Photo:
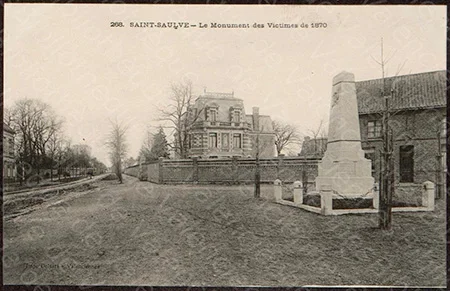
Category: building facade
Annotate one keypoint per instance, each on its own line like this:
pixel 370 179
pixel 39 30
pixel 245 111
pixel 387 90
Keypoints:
pixel 9 163
pixel 418 123
pixel 417 105
pixel 222 129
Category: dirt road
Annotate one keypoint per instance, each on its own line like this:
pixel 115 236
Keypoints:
pixel 138 233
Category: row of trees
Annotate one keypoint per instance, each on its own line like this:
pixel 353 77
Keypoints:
pixel 40 144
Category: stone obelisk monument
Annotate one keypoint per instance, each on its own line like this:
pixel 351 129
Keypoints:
pixel 343 167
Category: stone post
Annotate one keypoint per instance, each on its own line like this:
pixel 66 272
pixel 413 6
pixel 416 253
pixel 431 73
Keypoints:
pixel 326 200
pixel 428 195
pixel 376 196
pixel 195 170
pixel 298 193
pixel 277 189
pixel 279 165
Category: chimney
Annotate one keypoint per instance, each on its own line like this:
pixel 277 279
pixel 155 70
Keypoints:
pixel 255 118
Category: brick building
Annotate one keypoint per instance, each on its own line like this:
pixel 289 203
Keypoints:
pixel 222 128
pixel 9 163
pixel 418 121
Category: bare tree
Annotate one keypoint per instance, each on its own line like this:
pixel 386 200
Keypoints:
pixel 387 178
pixel 54 150
pixel 116 143
pixel 318 135
pixel 146 147
pixel 285 135
pixel 8 116
pixel 179 114
pixel 35 124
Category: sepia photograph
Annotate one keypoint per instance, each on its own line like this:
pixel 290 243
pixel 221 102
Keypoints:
pixel 224 145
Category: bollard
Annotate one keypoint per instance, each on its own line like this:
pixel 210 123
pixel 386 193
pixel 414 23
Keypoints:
pixel 376 196
pixel 277 189
pixel 428 195
pixel 298 193
pixel 326 200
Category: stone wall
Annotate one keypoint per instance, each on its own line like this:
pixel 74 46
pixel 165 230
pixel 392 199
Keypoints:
pixel 152 172
pixel 236 170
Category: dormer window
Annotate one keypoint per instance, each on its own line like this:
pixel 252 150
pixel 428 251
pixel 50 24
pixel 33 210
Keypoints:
pixel 235 114
pixel 212 113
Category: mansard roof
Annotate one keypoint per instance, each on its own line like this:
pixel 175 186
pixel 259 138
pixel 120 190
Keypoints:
pixel 265 123
pixel 217 95
pixel 416 91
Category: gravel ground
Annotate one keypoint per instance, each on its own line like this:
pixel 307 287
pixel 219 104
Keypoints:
pixel 138 233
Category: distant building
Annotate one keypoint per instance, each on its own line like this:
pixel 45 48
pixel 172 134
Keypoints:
pixel 313 147
pixel 222 128
pixel 9 163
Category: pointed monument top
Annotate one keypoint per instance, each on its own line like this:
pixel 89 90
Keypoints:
pixel 343 77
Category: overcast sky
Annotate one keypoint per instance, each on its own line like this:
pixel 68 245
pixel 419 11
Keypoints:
pixel 69 57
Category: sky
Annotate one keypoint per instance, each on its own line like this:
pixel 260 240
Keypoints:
pixel 70 57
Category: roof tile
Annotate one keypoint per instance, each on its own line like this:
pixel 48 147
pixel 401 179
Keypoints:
pixel 424 90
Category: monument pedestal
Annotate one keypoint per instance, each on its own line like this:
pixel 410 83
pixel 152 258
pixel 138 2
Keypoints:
pixel 343 167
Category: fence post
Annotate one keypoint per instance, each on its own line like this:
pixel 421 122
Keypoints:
pixel 305 178
pixel 428 195
pixel 234 169
pixel 195 169
pixel 376 196
pixel 298 193
pixel 277 189
pixel 279 165
pixel 326 200
pixel 160 170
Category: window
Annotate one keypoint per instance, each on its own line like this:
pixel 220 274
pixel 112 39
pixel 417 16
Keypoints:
pixel 11 147
pixel 237 140
pixel 213 140
pixel 236 116
pixel 374 129
pixel 407 164
pixel 212 114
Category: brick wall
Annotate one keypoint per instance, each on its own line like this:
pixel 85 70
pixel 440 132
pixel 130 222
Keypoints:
pixel 418 128
pixel 234 170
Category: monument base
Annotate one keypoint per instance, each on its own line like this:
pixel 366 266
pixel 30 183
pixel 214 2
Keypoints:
pixel 347 178
pixel 347 187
